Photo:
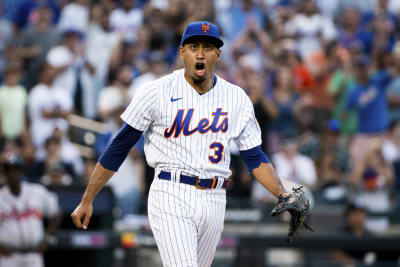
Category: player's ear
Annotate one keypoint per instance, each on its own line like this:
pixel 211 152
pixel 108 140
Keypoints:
pixel 218 51
pixel 181 50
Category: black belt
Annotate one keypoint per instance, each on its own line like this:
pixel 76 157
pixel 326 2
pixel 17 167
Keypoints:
pixel 199 183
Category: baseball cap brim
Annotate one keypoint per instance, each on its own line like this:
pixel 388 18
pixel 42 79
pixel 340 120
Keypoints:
pixel 207 38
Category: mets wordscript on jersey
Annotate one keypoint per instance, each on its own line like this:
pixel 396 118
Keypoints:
pixel 182 123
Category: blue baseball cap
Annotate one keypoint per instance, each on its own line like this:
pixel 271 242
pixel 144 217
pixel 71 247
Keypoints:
pixel 202 29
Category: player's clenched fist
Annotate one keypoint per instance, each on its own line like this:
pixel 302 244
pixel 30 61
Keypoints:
pixel 81 215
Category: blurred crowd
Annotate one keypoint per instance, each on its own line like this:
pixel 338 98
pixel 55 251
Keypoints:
pixel 324 78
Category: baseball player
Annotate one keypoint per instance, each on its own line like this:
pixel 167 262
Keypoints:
pixel 23 205
pixel 189 118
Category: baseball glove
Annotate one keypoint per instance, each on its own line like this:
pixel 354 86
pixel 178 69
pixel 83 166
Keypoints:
pixel 297 204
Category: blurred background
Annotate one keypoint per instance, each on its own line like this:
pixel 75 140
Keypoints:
pixel 324 78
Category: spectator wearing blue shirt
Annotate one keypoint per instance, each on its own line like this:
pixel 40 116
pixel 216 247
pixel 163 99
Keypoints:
pixel 351 34
pixel 368 98
pixel 241 13
pixel 393 91
pixel 382 24
pixel 23 12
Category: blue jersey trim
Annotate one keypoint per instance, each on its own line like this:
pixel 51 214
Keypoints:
pixel 117 151
pixel 254 157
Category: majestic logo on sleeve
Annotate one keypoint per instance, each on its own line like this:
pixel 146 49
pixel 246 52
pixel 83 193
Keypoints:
pixel 182 123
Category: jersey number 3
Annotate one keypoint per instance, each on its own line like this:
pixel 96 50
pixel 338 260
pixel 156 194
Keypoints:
pixel 218 152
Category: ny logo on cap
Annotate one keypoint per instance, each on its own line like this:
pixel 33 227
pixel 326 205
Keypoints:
pixel 205 27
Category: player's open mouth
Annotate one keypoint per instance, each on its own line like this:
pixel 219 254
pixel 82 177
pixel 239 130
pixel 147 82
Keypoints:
pixel 200 68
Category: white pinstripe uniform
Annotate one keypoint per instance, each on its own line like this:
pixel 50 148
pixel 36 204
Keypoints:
pixel 189 134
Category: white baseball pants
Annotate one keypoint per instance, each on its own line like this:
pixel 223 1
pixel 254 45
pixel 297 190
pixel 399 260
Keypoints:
pixel 186 222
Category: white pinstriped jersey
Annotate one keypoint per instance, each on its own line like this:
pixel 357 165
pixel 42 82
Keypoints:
pixel 191 132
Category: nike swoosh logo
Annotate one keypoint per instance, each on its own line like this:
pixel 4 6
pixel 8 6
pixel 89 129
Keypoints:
pixel 175 99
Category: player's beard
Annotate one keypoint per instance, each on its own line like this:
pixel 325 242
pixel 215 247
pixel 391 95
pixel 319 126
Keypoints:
pixel 199 80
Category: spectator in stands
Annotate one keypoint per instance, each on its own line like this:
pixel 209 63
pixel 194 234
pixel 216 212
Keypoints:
pixel 363 5
pixel 69 152
pixel 27 12
pixel 368 98
pixel 241 14
pixel 393 91
pixel 180 13
pixel 53 160
pixel 69 61
pixel 391 150
pixel 48 107
pixel 253 40
pixel 290 166
pixel 293 166
pixel 333 163
pixel 383 24
pixel 35 42
pixel 157 68
pixel 7 32
pixel 249 76
pixel 391 143
pixel 285 101
pixel 56 175
pixel 373 186
pixel 338 88
pixel 128 54
pixel 311 29
pixel 103 47
pixel 351 33
pixel 355 217
pixel 75 16
pixel 116 97
pixel 127 19
pixel 13 103
pixel 161 38
pixel 247 65
pixel 301 74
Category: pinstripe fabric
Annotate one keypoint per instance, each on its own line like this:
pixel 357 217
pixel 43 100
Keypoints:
pixel 187 223
pixel 190 134
pixel 151 110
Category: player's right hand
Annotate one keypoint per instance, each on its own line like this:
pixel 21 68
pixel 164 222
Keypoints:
pixel 81 215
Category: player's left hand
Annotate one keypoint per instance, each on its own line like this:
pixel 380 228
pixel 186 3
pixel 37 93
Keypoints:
pixel 297 204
